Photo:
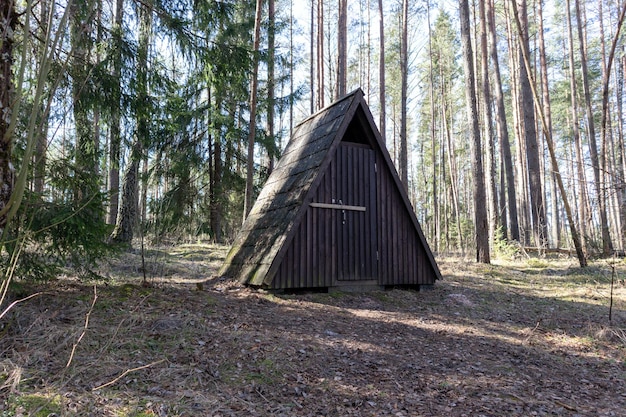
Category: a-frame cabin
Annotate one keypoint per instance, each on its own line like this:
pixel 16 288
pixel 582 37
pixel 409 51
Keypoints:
pixel 333 213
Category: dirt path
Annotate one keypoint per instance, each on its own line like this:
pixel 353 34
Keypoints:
pixel 488 340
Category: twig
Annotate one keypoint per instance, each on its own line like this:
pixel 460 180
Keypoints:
pixel 258 391
pixel 126 372
pixel 566 406
pixel 532 331
pixel 93 303
pixel 14 303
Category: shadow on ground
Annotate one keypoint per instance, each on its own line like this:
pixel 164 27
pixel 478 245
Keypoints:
pixel 485 341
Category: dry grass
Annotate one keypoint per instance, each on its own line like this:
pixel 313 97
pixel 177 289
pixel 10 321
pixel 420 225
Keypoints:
pixel 523 338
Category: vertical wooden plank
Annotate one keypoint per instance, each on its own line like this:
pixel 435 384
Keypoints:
pixel 393 260
pixel 292 277
pixel 373 217
pixel 328 230
pixel 413 258
pixel 344 225
pixel 301 274
pixel 403 244
pixel 362 242
pixel 392 236
pixel 306 243
pixel 383 241
pixel 364 239
pixel 333 221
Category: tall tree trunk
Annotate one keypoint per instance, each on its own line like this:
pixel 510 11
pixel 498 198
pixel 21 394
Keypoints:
pixel 311 52
pixel 538 211
pixel 433 135
pixel 128 208
pixel 42 140
pixel 521 171
pixel 555 167
pixel 546 105
pixel 453 174
pixel 127 213
pixel 114 132
pixel 404 74
pixel 271 53
pixel 8 24
pixel 381 72
pixel 253 104
pixel 621 149
pixel 86 159
pixel 369 52
pixel 96 63
pixel 501 125
pixel 215 190
pixel 494 222
pixel 291 67
pixel 605 85
pixel 480 209
pixel 582 193
pixel 342 49
pixel 607 245
pixel 320 55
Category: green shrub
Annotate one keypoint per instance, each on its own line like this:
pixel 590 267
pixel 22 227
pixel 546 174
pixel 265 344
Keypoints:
pixel 504 248
pixel 57 235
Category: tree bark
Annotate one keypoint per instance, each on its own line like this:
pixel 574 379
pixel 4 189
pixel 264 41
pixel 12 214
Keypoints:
pixel 582 181
pixel 342 49
pixel 253 102
pixel 538 213
pixel 494 222
pixel 42 140
pixel 320 55
pixel 291 69
pixel 582 260
pixel 605 88
pixel 381 73
pixel 271 53
pixel 546 105
pixel 86 158
pixel 480 209
pixel 607 245
pixel 312 54
pixel 128 208
pixel 404 61
pixel 127 213
pixel 501 125
pixel 114 133
pixel 216 191
pixel 433 135
pixel 8 24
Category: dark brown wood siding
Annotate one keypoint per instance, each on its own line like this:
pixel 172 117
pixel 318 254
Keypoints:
pixel 336 242
pixel 402 257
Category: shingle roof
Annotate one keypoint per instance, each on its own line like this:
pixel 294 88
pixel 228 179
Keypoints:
pixel 275 210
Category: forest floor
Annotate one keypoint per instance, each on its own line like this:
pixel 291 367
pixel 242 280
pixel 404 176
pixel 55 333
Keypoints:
pixel 529 337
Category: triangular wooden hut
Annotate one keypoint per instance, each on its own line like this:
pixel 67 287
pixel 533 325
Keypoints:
pixel 333 213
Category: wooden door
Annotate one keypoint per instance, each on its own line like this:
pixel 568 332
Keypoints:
pixel 345 209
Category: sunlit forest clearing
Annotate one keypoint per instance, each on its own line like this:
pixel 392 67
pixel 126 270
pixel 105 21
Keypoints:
pixel 372 134
pixel 525 336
